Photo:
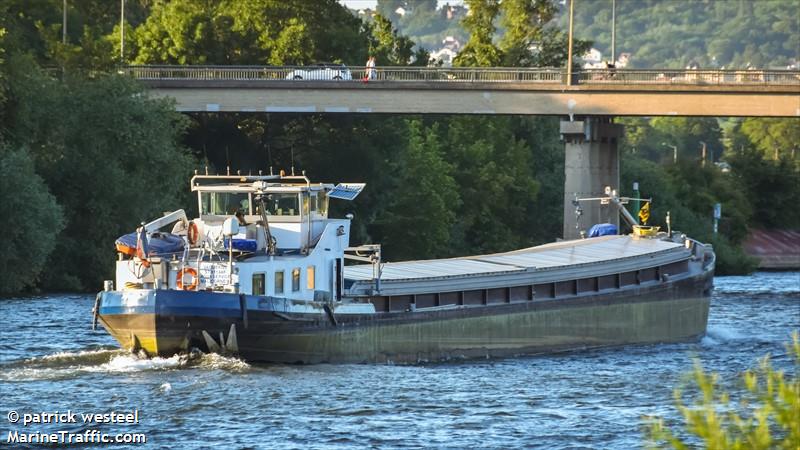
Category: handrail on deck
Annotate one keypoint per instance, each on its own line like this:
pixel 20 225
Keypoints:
pixel 443 75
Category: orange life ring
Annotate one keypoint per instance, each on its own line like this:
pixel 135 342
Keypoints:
pixel 179 279
pixel 193 233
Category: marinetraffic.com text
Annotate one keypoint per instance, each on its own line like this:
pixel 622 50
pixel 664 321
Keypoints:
pixel 27 435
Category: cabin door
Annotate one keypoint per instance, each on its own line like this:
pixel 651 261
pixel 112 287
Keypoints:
pixel 339 280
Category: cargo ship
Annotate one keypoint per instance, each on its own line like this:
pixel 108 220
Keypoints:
pixel 262 274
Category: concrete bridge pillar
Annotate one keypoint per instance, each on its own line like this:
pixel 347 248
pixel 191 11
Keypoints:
pixel 591 162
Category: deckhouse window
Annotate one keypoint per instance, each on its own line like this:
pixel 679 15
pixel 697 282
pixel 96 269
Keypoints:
pixel 295 279
pixel 310 279
pixel 317 204
pixel 259 284
pixel 279 282
pixel 282 205
pixel 224 203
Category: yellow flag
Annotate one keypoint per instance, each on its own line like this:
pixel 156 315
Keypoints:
pixel 644 213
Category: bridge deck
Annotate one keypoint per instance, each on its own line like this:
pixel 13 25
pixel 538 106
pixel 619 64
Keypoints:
pixel 763 93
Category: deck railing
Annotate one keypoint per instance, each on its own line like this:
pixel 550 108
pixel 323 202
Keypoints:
pixel 468 75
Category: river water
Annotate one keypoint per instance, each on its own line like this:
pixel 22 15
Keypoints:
pixel 50 361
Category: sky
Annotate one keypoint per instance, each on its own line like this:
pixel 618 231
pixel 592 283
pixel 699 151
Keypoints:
pixel 361 4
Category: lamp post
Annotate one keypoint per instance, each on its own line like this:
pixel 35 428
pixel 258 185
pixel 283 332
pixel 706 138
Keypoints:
pixel 614 32
pixel 64 23
pixel 569 46
pixel 121 31
pixel 674 152
pixel 703 154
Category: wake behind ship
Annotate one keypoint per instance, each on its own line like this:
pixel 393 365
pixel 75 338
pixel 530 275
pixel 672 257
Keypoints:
pixel 261 274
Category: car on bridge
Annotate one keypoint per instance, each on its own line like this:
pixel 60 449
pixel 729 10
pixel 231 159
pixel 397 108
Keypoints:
pixel 321 71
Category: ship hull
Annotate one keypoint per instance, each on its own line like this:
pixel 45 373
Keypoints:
pixel 166 322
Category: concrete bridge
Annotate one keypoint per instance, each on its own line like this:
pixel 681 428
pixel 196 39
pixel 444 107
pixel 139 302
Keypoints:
pixel 529 91
pixel 588 102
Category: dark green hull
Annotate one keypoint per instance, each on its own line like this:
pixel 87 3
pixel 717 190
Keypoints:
pixel 654 312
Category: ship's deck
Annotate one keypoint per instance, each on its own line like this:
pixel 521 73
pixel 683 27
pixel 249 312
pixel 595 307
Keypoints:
pixel 548 256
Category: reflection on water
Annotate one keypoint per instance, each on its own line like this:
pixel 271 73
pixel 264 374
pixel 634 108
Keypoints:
pixel 51 360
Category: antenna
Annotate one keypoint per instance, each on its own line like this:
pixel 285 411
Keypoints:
pixel 292 159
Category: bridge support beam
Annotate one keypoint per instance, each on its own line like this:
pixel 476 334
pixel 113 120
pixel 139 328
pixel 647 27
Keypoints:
pixel 591 162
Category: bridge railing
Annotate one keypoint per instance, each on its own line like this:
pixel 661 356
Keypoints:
pixel 689 76
pixel 468 75
pixel 296 73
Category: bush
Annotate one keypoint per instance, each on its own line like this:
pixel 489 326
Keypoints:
pixel 766 415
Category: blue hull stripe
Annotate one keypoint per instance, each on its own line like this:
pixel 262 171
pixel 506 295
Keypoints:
pixel 170 303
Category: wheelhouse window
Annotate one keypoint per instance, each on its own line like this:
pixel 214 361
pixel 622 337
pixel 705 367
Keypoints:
pixel 295 279
pixel 279 282
pixel 224 203
pixel 259 284
pixel 310 279
pixel 281 205
pixel 316 204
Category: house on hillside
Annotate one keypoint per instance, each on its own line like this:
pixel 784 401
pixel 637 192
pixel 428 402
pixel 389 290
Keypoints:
pixel 451 43
pixel 448 51
pixel 445 55
pixel 593 59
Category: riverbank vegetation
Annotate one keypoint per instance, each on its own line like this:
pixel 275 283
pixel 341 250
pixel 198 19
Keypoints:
pixel 760 411
pixel 90 155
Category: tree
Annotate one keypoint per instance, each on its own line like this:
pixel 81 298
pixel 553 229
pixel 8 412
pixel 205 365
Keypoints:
pixel 387 45
pixel 776 138
pixel 417 222
pixel 772 186
pixel 524 22
pixel 111 162
pixel 250 32
pixel 480 51
pixel 31 223
pixel 494 172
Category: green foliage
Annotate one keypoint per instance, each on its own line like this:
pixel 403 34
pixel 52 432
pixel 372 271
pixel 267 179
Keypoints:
pixel 762 413
pixel 713 33
pixel 186 32
pixel 389 47
pixel 494 171
pixel 418 220
pixel 480 51
pixel 529 38
pixel 756 192
pixel 103 148
pixel 773 187
pixel 731 259
pixel 250 32
pixel 776 138
pixel 92 42
pixel 523 21
pixel 31 223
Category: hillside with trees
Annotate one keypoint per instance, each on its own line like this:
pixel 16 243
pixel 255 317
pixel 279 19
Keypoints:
pixel 733 34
